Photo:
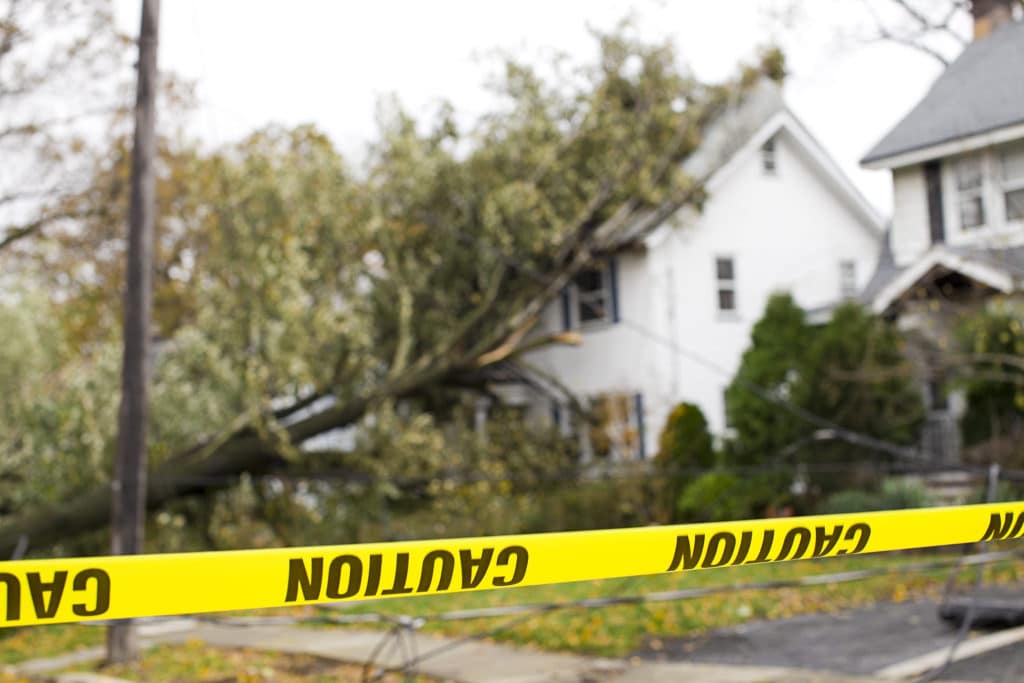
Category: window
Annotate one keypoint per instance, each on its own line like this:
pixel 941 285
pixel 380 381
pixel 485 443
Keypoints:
pixel 768 157
pixel 847 279
pixel 617 429
pixel 725 274
pixel 1013 181
pixel 592 298
pixel 970 186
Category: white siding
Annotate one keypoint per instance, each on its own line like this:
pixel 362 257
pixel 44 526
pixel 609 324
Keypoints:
pixel 787 231
pixel 911 234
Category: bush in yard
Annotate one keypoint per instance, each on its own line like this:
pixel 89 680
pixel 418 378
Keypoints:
pixel 850 371
pixel 685 441
pixel 683 446
pixel 895 493
pixel 854 500
pixel 714 497
pixel 898 493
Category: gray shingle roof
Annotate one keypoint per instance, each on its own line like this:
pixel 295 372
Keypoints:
pixel 1008 260
pixel 983 90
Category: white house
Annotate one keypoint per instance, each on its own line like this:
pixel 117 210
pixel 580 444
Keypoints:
pixel 666 317
pixel 957 163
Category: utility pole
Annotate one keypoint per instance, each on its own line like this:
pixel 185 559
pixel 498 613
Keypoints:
pixel 128 487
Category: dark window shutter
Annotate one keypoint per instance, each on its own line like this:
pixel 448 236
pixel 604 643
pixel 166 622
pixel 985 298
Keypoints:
pixel 638 399
pixel 613 283
pixel 566 310
pixel 933 184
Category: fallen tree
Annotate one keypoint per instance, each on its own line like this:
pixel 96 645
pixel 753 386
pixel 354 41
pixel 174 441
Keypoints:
pixel 290 278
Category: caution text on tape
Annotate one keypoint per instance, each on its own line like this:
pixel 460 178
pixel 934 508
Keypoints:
pixel 91 588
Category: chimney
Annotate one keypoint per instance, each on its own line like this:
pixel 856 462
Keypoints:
pixel 990 14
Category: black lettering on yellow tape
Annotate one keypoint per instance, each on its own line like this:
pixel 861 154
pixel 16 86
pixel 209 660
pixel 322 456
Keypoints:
pixel 82 589
pixel 345 576
pixel 999 526
pixel 731 548
pixel 92 586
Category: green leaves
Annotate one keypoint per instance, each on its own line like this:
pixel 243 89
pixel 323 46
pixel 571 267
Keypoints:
pixel 282 274
pixel 852 371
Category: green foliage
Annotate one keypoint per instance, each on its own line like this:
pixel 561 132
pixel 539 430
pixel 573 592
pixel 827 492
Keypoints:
pixel 854 500
pixel 684 445
pixel 282 274
pixel 900 494
pixel 715 497
pixel 993 340
pixel 772 363
pixel 895 493
pixel 685 441
pixel 851 372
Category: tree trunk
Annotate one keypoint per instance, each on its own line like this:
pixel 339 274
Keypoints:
pixel 128 487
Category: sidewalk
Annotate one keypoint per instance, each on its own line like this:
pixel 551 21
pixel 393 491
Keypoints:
pixel 473 662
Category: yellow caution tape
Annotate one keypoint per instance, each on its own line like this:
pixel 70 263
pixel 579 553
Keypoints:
pixel 91 588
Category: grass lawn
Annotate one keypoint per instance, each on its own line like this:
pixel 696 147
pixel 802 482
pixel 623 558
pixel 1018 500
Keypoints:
pixel 30 642
pixel 618 630
pixel 194 661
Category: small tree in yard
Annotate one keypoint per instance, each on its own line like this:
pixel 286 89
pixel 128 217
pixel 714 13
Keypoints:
pixel 850 372
pixel 772 363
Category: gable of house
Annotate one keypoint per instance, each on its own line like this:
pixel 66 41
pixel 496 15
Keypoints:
pixel 666 316
pixel 957 161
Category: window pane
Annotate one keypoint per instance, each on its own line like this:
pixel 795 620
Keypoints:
pixel 726 300
pixel 768 156
pixel 590 280
pixel 723 269
pixel 972 212
pixel 592 308
pixel 1015 205
pixel 968 173
pixel 1013 162
pixel 847 278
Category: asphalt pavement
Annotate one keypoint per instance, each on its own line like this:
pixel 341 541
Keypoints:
pixel 859 642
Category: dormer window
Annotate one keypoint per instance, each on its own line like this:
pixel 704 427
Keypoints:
pixel 970 187
pixel 768 161
pixel 1013 182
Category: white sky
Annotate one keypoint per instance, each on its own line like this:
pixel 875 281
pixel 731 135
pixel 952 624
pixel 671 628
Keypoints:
pixel 329 61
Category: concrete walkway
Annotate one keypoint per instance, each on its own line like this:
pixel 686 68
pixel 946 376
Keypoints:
pixel 473 662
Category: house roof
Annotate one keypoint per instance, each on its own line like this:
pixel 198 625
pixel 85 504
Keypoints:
pixel 722 138
pixel 979 93
pixel 743 127
pixel 1002 269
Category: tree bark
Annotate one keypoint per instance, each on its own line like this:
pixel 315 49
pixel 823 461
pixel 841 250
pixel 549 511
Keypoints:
pixel 128 486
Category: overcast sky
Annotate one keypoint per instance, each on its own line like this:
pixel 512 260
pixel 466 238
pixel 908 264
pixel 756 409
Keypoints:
pixel 328 61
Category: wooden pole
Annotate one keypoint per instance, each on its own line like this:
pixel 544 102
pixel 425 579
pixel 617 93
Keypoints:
pixel 128 487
